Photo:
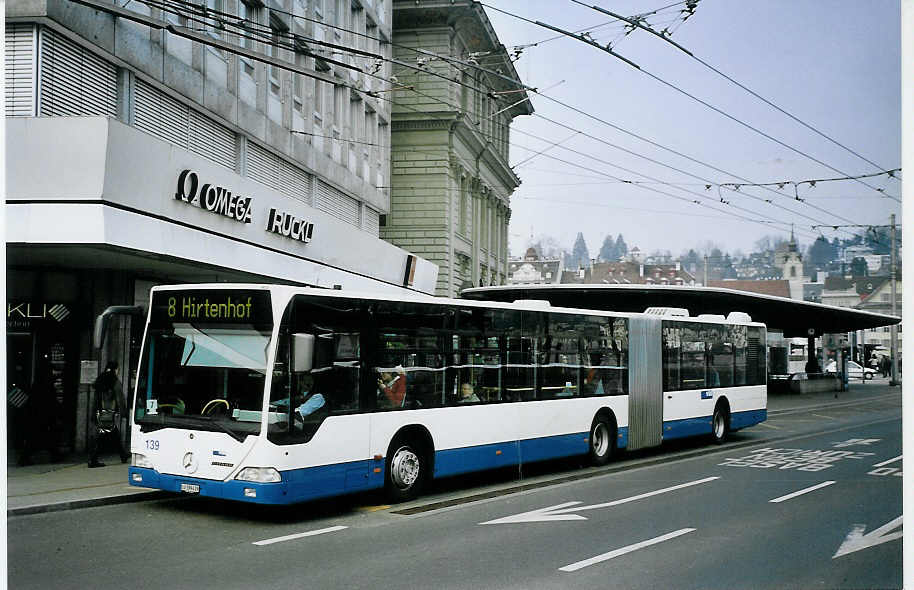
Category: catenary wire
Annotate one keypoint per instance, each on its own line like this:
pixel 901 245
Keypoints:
pixel 691 96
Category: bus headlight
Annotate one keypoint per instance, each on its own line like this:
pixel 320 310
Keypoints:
pixel 259 475
pixel 141 461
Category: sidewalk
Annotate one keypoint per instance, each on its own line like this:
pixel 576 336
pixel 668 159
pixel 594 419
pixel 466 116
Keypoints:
pixel 50 487
pixel 47 487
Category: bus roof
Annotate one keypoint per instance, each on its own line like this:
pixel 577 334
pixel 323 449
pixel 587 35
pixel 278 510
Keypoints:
pixel 541 305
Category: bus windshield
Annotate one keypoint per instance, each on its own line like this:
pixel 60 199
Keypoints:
pixel 204 362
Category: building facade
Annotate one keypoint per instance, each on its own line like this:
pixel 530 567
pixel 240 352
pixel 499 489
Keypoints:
pixel 879 300
pixel 629 272
pixel 450 178
pixel 141 149
pixel 533 270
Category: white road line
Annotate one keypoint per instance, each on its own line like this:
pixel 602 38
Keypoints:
pixel 332 529
pixel 607 556
pixel 644 495
pixel 898 458
pixel 823 416
pixel 801 492
pixel 765 424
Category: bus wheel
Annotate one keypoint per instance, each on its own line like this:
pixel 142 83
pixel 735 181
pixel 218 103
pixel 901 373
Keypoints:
pixel 720 424
pixel 404 472
pixel 602 441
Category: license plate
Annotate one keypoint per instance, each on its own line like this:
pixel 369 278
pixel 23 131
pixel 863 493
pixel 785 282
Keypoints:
pixel 190 488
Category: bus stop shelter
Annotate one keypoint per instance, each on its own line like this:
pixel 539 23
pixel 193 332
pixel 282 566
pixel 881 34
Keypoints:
pixel 793 318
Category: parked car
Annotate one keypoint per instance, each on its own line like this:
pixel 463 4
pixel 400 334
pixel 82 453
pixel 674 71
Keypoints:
pixel 854 370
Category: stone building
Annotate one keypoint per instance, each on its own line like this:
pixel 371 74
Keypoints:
pixel 142 149
pixel 450 178
pixel 788 258
pixel 533 270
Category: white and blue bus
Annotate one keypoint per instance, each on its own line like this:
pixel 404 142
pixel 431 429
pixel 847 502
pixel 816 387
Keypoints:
pixel 278 394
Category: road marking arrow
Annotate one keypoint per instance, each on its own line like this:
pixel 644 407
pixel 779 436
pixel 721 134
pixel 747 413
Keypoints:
pixel 889 461
pixel 562 511
pixel 856 540
pixel 612 554
pixel 332 529
pixel 801 492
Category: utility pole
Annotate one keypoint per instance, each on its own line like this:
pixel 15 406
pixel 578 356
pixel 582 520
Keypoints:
pixel 893 330
pixel 706 270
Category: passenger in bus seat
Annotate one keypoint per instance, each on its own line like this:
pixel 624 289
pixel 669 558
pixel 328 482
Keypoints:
pixel 312 401
pixel 593 382
pixel 467 395
pixel 393 387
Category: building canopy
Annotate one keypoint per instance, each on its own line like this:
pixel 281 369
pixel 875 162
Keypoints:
pixel 794 318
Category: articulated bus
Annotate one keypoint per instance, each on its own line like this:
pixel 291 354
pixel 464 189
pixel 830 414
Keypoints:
pixel 278 394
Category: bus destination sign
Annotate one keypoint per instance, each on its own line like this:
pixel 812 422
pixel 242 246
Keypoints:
pixel 207 306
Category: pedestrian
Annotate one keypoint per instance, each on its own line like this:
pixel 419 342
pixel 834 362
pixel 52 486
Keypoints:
pixel 107 409
pixel 885 366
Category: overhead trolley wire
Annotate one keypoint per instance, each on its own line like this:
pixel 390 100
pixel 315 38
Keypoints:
pixel 687 94
pixel 639 24
pixel 605 174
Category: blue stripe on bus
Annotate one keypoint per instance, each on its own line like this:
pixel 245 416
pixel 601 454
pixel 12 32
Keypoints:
pixel 702 425
pixel 297 485
pixel 477 458
pixel 744 419
pixel 688 427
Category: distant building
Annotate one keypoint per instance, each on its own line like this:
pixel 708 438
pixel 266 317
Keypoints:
pixel 531 270
pixel 879 300
pixel 787 257
pixel 813 292
pixel 630 272
pixel 842 292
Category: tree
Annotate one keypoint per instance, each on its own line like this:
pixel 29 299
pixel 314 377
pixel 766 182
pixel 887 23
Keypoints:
pixel 548 247
pixel 858 267
pixel 580 256
pixel 608 251
pixel 821 252
pixel 766 243
pixel 621 247
pixel 880 239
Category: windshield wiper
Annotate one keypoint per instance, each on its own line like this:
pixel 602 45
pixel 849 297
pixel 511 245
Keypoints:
pixel 162 422
pixel 236 435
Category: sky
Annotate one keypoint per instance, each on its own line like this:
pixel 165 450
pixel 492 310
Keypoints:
pixel 834 65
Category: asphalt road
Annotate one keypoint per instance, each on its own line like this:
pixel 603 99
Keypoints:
pixel 810 499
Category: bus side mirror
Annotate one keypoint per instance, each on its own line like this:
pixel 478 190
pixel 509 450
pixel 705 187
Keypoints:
pixel 302 352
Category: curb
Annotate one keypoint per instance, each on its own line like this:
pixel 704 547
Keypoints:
pixel 87 503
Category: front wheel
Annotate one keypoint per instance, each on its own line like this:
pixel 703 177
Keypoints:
pixel 404 473
pixel 602 441
pixel 720 425
pixel 867 376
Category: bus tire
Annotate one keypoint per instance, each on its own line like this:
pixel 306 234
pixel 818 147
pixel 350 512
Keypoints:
pixel 720 423
pixel 404 471
pixel 602 440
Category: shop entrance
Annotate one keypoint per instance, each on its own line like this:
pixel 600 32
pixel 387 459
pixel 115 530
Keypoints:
pixel 41 385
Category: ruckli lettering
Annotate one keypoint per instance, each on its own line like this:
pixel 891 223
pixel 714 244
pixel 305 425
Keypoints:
pixel 290 226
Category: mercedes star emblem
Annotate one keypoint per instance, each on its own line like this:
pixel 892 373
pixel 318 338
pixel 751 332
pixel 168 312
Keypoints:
pixel 189 462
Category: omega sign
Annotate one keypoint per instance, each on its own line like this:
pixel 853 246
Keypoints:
pixel 213 198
